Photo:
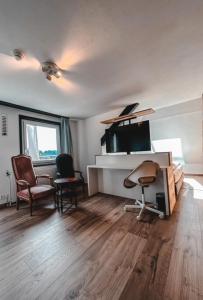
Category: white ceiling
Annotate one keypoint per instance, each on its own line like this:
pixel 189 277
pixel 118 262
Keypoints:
pixel 117 52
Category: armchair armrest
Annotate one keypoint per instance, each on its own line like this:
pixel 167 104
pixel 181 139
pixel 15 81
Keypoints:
pixel 47 177
pixel 22 182
pixel 81 176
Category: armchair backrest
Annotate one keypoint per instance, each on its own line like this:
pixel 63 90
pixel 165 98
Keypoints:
pixel 23 169
pixel 64 165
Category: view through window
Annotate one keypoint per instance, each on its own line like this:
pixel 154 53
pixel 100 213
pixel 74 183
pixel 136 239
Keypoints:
pixel 40 140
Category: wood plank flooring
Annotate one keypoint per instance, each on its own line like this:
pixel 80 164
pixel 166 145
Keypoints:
pixel 100 252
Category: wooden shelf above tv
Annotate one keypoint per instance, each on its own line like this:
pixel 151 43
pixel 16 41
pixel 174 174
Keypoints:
pixel 129 117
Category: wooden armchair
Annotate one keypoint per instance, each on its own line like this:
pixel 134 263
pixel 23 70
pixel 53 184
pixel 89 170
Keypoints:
pixel 28 187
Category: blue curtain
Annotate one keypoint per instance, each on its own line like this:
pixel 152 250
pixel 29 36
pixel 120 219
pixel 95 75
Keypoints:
pixel 66 139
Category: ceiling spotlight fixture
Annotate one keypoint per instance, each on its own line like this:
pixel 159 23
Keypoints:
pixel 51 69
pixel 18 54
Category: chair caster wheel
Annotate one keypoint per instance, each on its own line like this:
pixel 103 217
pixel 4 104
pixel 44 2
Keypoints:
pixel 138 218
pixel 161 216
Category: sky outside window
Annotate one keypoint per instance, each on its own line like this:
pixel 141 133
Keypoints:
pixel 46 138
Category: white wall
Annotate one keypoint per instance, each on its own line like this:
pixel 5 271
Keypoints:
pixel 182 121
pixel 9 146
pixel 187 127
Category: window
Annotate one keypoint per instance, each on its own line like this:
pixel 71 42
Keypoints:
pixel 173 145
pixel 40 139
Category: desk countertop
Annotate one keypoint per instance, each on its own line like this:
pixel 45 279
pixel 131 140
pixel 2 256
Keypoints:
pixel 115 167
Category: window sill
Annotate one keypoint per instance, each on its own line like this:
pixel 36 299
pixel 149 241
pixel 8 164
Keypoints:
pixel 43 164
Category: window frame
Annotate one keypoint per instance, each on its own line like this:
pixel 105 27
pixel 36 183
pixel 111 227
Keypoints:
pixel 22 137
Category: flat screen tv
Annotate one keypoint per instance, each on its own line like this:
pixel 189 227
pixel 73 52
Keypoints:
pixel 129 138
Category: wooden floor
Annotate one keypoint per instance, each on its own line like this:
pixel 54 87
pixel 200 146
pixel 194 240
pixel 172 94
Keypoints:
pixel 100 252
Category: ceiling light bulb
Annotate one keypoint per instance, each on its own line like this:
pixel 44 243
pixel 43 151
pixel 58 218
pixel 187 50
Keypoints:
pixel 58 74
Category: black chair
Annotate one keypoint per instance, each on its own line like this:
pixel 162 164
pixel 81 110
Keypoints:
pixel 65 169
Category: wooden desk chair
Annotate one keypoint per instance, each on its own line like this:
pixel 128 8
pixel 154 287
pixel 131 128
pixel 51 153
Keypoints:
pixel 143 176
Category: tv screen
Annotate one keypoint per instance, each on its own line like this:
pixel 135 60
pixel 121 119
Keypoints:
pixel 129 138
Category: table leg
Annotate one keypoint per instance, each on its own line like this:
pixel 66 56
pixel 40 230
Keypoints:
pixel 57 197
pixel 61 198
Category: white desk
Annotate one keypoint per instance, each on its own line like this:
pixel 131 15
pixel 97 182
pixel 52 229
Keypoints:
pixel 109 179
